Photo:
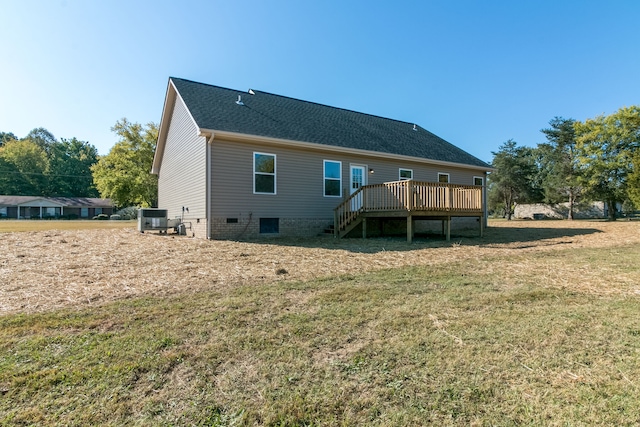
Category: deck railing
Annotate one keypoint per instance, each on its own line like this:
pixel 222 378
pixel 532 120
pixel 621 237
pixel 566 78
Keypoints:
pixel 410 196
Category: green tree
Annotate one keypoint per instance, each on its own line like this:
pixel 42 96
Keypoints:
pixel 42 137
pixel 26 163
pixel 607 145
pixel 124 175
pixel 634 181
pixel 69 174
pixel 559 169
pixel 515 178
pixel 6 137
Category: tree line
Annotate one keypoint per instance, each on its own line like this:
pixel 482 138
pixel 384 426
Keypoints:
pixel 594 160
pixel 41 165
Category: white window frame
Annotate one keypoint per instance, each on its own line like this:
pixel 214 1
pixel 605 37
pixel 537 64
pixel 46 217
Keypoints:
pixel 324 177
pixel 481 178
pixel 274 174
pixel 401 178
pixel 444 174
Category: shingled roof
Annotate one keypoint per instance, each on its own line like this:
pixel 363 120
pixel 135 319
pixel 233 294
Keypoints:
pixel 275 116
pixel 75 202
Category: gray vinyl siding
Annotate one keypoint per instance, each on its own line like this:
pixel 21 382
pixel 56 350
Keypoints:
pixel 182 177
pixel 299 180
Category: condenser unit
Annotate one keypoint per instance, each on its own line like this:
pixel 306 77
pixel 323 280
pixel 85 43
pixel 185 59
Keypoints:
pixel 152 219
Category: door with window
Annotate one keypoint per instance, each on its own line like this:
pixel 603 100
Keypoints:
pixel 357 180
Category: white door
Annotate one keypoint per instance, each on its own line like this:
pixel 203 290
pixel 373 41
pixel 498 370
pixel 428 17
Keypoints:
pixel 357 180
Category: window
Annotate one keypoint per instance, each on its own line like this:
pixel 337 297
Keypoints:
pixel 264 173
pixel 98 211
pixel 269 225
pixel 443 177
pixel 84 212
pixel 3 211
pixel 405 174
pixel 332 178
pixel 478 180
pixel 232 220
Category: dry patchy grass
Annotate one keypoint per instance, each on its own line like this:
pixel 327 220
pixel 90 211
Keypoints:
pixel 536 324
pixel 16 226
pixel 46 270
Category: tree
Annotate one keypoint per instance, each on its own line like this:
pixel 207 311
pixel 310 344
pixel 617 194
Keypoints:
pixel 42 137
pixel 634 181
pixel 124 175
pixel 606 147
pixel 69 174
pixel 559 169
pixel 514 180
pixel 27 164
pixel 6 137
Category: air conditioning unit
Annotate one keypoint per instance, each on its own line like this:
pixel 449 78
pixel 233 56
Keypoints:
pixel 152 219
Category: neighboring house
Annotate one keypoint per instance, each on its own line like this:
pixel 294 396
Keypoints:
pixel 30 207
pixel 248 164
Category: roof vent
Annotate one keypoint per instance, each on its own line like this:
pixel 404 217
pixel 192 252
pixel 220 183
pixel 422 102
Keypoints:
pixel 251 92
pixel 415 128
pixel 239 101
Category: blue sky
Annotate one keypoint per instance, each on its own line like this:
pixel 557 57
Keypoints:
pixel 476 73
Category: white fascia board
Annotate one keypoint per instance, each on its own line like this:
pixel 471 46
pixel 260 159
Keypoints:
pixel 240 137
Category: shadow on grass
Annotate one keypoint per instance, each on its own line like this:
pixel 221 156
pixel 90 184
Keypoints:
pixel 515 237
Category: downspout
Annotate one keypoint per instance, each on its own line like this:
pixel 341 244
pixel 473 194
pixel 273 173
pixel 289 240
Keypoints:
pixel 208 143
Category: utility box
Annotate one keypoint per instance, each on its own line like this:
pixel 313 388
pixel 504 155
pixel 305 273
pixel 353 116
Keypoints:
pixel 152 219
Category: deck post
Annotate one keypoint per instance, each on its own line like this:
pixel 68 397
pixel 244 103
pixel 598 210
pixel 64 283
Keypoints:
pixel 409 228
pixel 481 226
pixel 448 228
pixel 336 232
pixel 364 227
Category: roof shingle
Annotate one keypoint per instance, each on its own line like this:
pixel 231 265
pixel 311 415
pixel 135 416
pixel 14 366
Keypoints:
pixel 275 116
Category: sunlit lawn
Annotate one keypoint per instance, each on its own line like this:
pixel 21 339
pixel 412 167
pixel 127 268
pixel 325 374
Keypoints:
pixel 458 344
pixel 8 225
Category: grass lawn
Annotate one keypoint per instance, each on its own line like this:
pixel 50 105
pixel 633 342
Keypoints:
pixel 10 225
pixel 463 343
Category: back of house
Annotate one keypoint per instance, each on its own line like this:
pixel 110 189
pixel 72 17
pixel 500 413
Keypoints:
pixel 238 165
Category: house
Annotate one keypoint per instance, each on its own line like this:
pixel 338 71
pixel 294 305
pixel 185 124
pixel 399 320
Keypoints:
pixel 31 207
pixel 237 165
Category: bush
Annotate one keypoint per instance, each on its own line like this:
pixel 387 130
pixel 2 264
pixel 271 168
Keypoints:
pixel 130 212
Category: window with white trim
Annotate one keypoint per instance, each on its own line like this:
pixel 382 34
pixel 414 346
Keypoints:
pixel 405 174
pixel 478 180
pixel 332 185
pixel 264 173
pixel 443 177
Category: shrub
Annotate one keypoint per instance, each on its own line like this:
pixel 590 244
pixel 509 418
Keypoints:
pixel 130 212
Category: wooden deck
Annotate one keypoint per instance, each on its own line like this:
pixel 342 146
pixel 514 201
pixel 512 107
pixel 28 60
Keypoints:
pixel 413 200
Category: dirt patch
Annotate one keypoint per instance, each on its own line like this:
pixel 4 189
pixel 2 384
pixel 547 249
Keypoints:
pixel 44 270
